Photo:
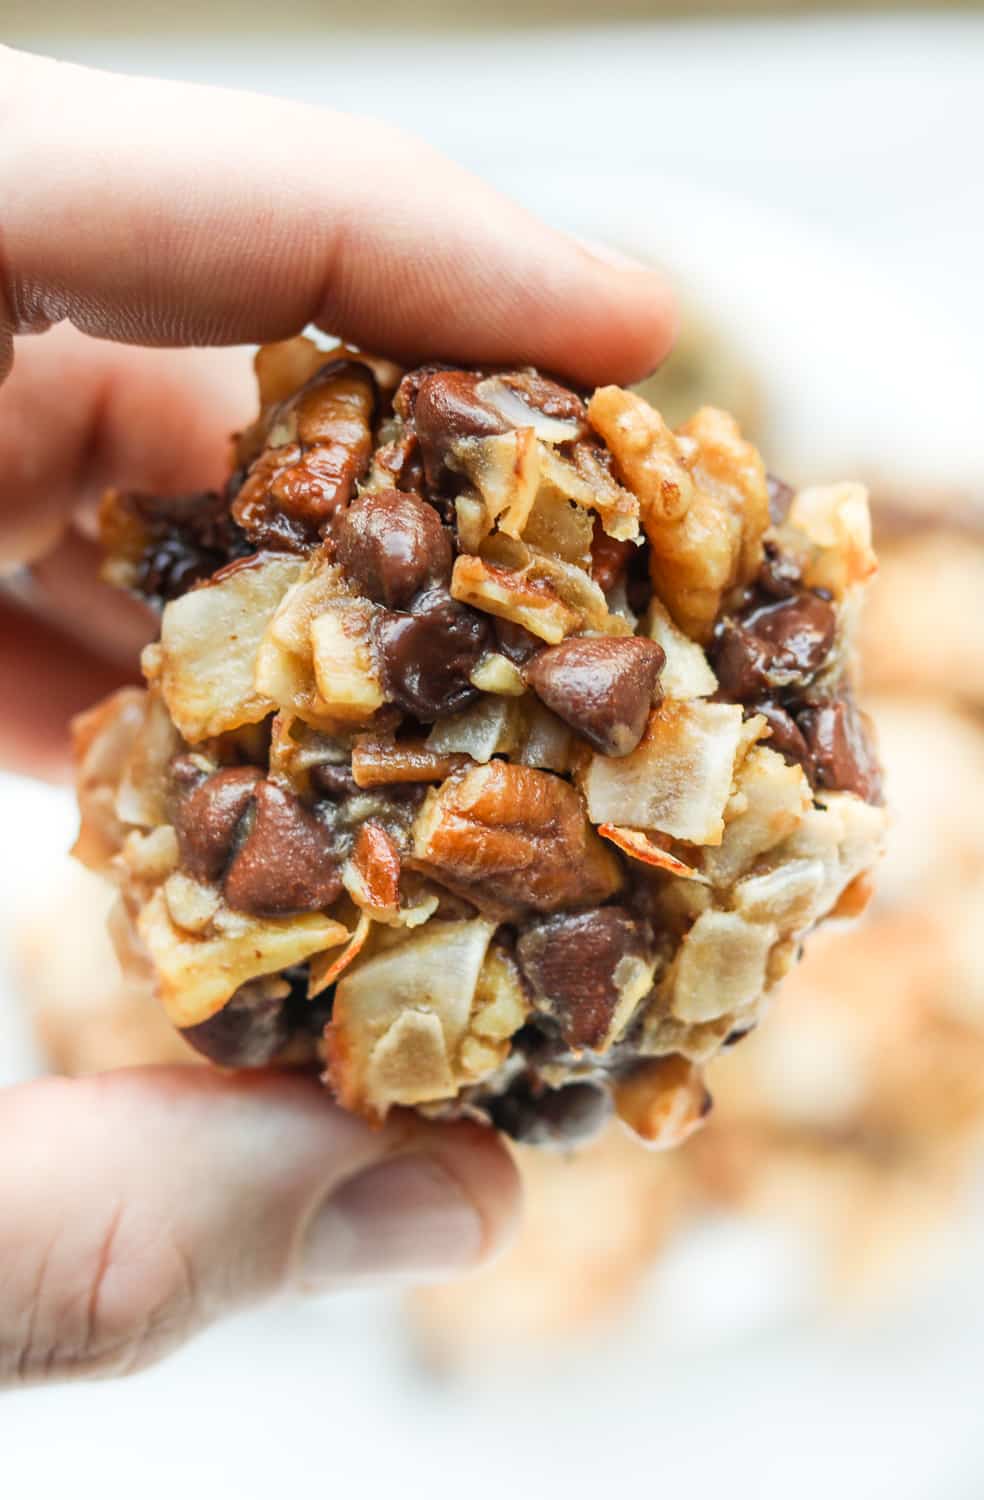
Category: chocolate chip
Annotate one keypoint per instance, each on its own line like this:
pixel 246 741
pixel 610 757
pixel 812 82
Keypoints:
pixel 779 576
pixel 780 645
pixel 781 496
pixel 841 747
pixel 334 782
pixel 552 1117
pixel 425 658
pixel 248 1032
pixel 515 641
pixel 206 811
pixel 447 409
pixel 786 736
pixel 602 686
pixel 391 545
pixel 571 961
pixel 286 863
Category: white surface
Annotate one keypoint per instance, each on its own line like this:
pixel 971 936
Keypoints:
pixel 853 263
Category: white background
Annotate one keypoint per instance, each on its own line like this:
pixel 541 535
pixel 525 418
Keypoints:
pixel 821 183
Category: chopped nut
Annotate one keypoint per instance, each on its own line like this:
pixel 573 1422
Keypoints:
pixel 318 443
pixel 703 498
pixel 197 975
pixel 520 833
pixel 678 781
pixel 372 873
pixel 103 739
pixel 663 1100
pixel 378 762
pixel 497 674
pixel 349 689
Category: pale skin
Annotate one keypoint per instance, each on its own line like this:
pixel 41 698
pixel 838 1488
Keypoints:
pixel 140 223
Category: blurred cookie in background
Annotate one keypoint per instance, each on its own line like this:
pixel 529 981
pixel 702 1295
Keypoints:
pixel 920 632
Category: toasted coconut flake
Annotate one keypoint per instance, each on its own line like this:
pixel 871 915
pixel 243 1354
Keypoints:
pixel 514 410
pixel 210 638
pixel 191 904
pixel 325 968
pixel 348 687
pixel 141 798
pixel 387 762
pixel 638 845
pixel 150 857
pixel 588 483
pixel 721 966
pixel 400 1017
pixel 547 741
pixel 836 520
pixel 103 739
pixel 686 672
pixel 511 595
pixel 771 799
pixel 571 583
pixel 678 780
pixel 663 1100
pixel 490 726
pixel 197 975
pixel 559 528
pixel 788 895
pixel 505 469
pixel 473 522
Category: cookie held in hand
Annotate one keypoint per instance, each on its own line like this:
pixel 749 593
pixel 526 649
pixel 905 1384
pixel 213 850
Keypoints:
pixel 498 750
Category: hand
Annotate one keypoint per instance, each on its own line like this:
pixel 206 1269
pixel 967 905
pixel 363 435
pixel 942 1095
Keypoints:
pixel 137 1207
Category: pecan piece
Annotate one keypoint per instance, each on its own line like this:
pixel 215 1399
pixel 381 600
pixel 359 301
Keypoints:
pixel 519 833
pixel 318 444
pixel 602 686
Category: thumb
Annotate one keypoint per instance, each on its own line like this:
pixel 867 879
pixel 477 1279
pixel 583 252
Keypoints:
pixel 138 1207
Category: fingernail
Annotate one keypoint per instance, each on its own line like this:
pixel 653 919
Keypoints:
pixel 404 1219
pixel 598 250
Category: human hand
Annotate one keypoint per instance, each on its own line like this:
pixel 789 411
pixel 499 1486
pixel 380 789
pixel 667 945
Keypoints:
pixel 137 1207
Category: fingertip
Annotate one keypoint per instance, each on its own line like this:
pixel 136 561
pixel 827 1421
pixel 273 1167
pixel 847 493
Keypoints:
pixel 634 321
pixel 479 1160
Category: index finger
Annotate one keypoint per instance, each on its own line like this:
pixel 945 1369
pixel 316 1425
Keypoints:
pixel 164 213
